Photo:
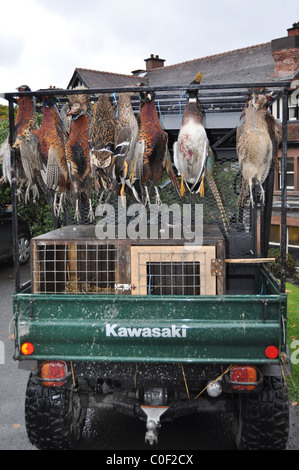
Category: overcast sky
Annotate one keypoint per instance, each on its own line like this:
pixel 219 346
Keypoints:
pixel 43 41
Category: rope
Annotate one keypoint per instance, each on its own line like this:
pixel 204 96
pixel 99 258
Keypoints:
pixel 245 117
pixel 185 380
pixel 115 102
pixel 158 106
pixel 242 122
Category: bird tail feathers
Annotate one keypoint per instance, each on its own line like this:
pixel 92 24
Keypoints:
pixel 6 160
pixel 171 173
pixel 138 160
pixel 214 189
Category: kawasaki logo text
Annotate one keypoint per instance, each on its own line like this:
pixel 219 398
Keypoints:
pixel 168 332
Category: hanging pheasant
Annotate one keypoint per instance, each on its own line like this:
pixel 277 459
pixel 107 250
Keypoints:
pixel 126 135
pixel 25 144
pixel 193 156
pixel 51 143
pixel 101 139
pixel 77 152
pixel 152 155
pixel 257 143
pixel 190 152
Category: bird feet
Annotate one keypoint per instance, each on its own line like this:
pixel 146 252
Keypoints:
pixel 202 187
pixel 262 194
pixel 58 208
pixel 182 185
pixel 147 200
pixel 158 199
pixel 123 179
pixel 90 213
pixel 251 196
pixel 77 212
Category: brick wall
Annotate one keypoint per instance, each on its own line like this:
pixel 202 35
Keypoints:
pixel 285 52
pixel 286 62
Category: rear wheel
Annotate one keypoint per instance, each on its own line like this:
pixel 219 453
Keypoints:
pixel 54 416
pixel 24 249
pixel 263 420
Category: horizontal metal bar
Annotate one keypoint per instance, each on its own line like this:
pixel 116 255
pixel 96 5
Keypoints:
pixel 61 92
pixel 48 379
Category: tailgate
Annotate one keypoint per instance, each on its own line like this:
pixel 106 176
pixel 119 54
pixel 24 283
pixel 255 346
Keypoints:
pixel 217 329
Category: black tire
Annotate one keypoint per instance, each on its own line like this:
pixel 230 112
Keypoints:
pixel 263 421
pixel 24 249
pixel 54 416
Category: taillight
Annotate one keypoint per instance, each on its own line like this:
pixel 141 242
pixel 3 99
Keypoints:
pixel 27 349
pixel 54 370
pixel 243 375
pixel 272 352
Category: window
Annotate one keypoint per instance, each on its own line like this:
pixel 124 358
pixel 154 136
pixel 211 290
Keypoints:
pixel 292 240
pixel 293 236
pixel 293 104
pixel 276 109
pixel 290 174
pixel 293 243
pixel 275 234
pixel 293 107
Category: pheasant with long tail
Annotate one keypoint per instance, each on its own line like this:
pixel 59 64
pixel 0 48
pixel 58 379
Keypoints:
pixel 52 139
pixel 152 155
pixel 77 152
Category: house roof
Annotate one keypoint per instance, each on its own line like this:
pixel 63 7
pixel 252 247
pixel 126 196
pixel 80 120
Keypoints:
pixel 98 79
pixel 250 64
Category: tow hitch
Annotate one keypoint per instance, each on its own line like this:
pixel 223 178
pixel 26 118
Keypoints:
pixel 153 414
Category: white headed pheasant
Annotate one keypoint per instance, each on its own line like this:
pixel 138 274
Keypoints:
pixel 192 154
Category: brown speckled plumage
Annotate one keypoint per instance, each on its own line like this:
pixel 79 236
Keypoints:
pixel 101 138
pixel 26 142
pixel 257 142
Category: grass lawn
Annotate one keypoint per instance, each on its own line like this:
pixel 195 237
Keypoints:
pixel 293 339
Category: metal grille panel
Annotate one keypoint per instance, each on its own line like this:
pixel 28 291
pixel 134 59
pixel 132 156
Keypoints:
pixel 78 268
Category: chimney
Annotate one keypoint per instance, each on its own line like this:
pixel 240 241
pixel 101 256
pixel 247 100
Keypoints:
pixel 154 62
pixel 294 30
pixel 285 52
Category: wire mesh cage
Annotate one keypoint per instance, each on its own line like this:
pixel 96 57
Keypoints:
pixel 68 268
